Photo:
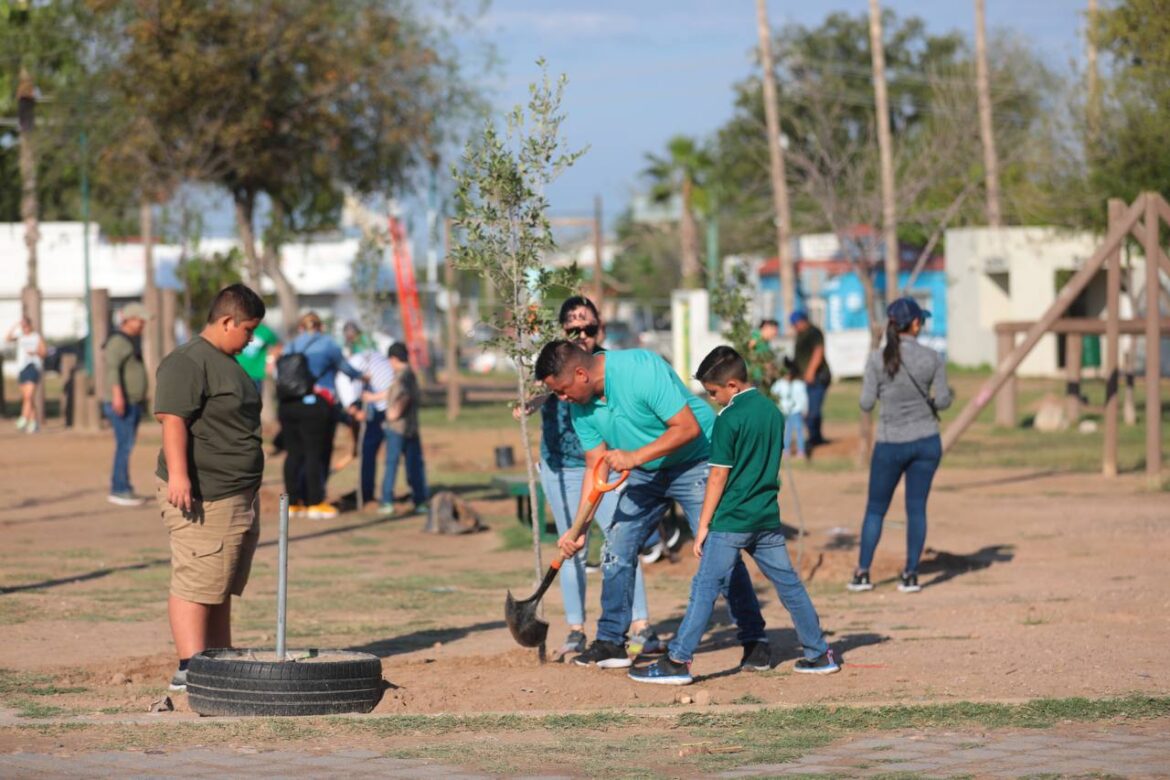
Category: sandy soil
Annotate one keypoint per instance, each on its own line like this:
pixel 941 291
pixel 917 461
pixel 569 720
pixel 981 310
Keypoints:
pixel 1037 585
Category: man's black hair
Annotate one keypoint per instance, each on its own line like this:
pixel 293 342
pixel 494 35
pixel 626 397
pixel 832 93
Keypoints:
pixel 238 301
pixel 577 302
pixel 720 366
pixel 557 357
pixel 398 351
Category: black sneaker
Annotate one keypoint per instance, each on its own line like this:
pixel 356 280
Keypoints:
pixel 825 663
pixel 757 657
pixel 860 582
pixel 909 583
pixel 664 671
pixel 605 655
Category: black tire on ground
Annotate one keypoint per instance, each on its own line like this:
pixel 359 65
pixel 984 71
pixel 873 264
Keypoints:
pixel 326 682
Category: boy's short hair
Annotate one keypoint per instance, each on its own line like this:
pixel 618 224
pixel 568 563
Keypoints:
pixel 558 356
pixel 237 301
pixel 766 322
pixel 721 365
pixel 398 351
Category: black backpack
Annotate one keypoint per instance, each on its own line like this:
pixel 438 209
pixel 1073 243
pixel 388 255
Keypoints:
pixel 294 380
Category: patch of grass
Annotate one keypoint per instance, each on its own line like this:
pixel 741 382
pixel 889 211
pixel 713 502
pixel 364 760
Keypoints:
pixel 514 536
pixel 26 708
pixel 748 698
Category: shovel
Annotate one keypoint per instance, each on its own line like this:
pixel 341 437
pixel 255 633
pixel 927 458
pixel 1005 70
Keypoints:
pixel 528 629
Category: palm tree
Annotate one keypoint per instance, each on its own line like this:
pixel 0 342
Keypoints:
pixel 683 172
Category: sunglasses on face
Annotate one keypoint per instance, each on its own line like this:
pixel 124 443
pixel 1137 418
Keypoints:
pixel 584 331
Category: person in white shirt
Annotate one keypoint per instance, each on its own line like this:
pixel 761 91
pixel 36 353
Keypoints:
pixel 792 397
pixel 30 356
pixel 378 375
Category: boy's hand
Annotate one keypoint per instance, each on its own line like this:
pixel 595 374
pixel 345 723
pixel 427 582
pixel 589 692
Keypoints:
pixel 570 547
pixel 700 537
pixel 179 492
pixel 620 460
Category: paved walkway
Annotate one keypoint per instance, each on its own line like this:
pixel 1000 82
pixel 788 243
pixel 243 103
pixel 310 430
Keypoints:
pixel 1097 751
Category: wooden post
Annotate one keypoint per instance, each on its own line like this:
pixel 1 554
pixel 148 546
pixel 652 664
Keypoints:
pixel 1112 346
pixel 1153 343
pixel 69 375
pixel 1067 295
pixel 1006 400
pixel 598 280
pixel 986 132
pixel 169 311
pixel 84 418
pixel 454 398
pixel 1074 345
pixel 101 330
pixel 885 150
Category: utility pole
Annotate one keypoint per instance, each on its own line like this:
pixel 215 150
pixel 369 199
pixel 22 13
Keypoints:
pixel 885 151
pixel 598 280
pixel 776 158
pixel 983 88
pixel 1094 85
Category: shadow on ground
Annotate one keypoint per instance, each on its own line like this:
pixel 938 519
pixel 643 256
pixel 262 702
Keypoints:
pixel 408 643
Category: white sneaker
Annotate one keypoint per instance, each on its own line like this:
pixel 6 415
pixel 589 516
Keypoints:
pixel 322 511
pixel 20 423
pixel 125 499
pixel 32 427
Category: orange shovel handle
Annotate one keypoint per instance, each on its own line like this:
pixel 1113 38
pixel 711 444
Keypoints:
pixel 600 475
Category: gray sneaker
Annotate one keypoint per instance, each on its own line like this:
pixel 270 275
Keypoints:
pixel 574 643
pixel 179 681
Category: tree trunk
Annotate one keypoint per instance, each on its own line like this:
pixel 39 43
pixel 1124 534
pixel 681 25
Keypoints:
pixel 986 133
pixel 246 227
pixel 150 298
pixel 30 210
pixel 689 239
pixel 286 293
pixel 885 150
pixel 776 161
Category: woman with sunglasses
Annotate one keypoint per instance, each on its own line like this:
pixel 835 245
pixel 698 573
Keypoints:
pixel 562 472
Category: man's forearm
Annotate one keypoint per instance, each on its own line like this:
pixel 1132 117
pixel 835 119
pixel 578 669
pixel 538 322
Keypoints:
pixel 670 440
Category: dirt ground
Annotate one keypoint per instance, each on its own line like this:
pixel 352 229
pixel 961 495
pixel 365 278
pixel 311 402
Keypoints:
pixel 1037 584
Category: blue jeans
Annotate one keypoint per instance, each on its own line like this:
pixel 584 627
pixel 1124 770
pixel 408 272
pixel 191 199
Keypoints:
pixel 562 488
pixel 794 432
pixel 720 557
pixel 918 460
pixel 125 433
pixel 397 446
pixel 647 495
pixel 816 399
pixel 371 441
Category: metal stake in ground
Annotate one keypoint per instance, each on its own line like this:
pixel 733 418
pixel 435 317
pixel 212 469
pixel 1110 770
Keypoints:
pixel 281 577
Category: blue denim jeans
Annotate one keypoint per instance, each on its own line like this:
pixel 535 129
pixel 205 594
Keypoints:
pixel 794 432
pixel 816 399
pixel 918 460
pixel 720 557
pixel 409 447
pixel 562 488
pixel 640 506
pixel 371 441
pixel 125 433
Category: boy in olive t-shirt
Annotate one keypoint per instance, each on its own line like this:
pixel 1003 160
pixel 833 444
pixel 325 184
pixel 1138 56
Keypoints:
pixel 209 473
pixel 741 511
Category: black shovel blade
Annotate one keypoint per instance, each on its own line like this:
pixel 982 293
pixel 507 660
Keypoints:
pixel 527 629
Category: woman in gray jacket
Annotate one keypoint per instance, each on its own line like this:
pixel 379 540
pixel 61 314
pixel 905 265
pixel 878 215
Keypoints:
pixel 911 381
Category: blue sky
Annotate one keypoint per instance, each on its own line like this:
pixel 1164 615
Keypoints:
pixel 641 71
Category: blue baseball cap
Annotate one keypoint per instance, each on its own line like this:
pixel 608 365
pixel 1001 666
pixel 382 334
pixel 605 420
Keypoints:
pixel 904 311
pixel 797 316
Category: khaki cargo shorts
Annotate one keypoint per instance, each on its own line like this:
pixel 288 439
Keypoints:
pixel 212 545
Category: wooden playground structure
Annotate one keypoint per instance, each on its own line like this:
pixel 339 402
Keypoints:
pixel 1143 221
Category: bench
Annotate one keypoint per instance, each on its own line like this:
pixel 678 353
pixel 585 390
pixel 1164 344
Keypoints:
pixel 516 486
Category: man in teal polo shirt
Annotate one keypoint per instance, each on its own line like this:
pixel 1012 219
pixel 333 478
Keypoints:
pixel 631 409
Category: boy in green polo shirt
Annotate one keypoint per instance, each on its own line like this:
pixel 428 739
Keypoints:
pixel 741 511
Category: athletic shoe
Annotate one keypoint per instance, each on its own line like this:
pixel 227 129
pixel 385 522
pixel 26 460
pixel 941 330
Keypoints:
pixel 298 512
pixel 125 499
pixel 757 656
pixel 386 510
pixel 574 643
pixel 860 582
pixel 605 655
pixel 664 671
pixel 179 681
pixel 420 509
pixel 909 583
pixel 20 423
pixel 33 427
pixel 825 663
pixel 322 511
pixel 645 642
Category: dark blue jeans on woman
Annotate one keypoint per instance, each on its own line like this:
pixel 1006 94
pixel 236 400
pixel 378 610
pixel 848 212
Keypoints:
pixel 918 460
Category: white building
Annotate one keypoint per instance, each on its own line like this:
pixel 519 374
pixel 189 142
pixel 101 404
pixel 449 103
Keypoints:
pixel 1014 274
